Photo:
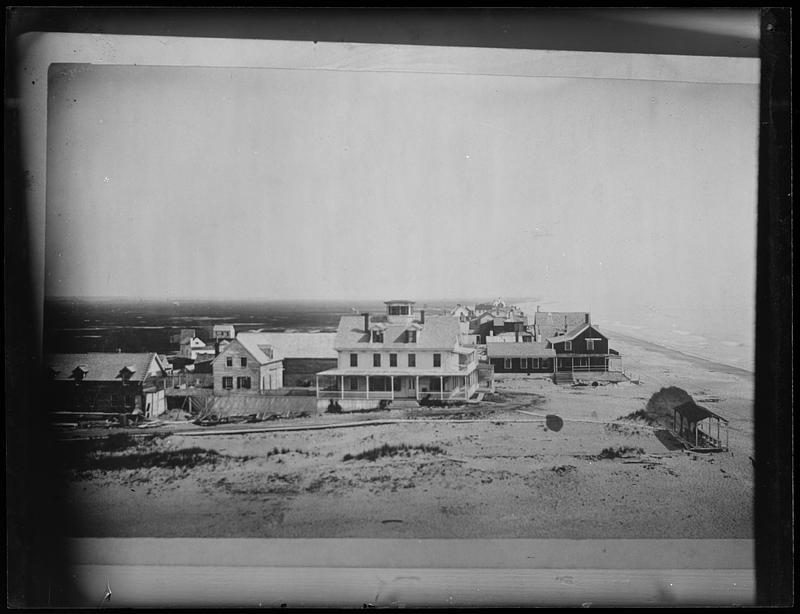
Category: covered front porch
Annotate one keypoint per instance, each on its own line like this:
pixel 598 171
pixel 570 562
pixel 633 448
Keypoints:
pixel 344 384
pixel 588 362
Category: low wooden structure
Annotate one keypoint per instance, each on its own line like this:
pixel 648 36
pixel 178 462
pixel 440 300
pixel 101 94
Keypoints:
pixel 699 428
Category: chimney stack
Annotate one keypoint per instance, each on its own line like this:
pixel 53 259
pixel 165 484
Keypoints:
pixel 422 316
pixel 366 322
pixel 587 319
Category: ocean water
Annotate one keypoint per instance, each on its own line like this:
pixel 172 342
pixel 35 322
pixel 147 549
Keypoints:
pixel 107 325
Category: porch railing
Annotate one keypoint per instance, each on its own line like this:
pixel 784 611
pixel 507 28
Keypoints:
pixel 354 394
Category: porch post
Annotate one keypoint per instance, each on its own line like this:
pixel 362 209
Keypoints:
pixel 391 383
pixel 367 386
pixel 441 387
pixel 341 391
pixel 416 389
pixel 317 376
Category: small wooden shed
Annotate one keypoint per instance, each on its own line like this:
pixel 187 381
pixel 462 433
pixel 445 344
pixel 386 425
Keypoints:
pixel 699 428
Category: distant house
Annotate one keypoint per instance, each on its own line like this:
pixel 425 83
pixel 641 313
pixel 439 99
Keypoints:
pixel 482 326
pixel 303 354
pixel 224 331
pixel 462 312
pixel 519 357
pixel 245 365
pixel 193 347
pixel 117 383
pixel 583 348
pixel 399 355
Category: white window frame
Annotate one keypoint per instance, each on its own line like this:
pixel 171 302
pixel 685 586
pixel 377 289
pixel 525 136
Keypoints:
pixel 590 344
pixel 568 346
pixel 507 363
pixel 227 379
pixel 523 363
pixel 353 360
pixel 412 360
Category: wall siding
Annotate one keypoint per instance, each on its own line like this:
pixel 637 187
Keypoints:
pixel 546 366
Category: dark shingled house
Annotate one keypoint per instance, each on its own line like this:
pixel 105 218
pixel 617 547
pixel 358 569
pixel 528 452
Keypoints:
pixel 99 382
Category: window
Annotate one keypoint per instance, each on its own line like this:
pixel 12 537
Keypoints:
pixel 523 363
pixel 568 346
pixel 353 382
pixel 377 336
pixel 590 344
pixel 536 363
pixel 398 310
pixel 227 382
pixel 392 360
pixel 353 360
pixel 243 361
pixel 229 361
pixel 130 400
pixel 411 336
pixel 376 360
pixel 412 360
pixel 507 363
pixel 243 382
pixel 437 360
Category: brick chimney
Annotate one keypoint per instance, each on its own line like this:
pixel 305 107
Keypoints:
pixel 422 316
pixel 366 322
pixel 588 320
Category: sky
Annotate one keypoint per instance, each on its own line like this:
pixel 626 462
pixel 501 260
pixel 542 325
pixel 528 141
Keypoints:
pixel 181 182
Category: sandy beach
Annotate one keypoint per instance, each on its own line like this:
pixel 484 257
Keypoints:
pixel 490 470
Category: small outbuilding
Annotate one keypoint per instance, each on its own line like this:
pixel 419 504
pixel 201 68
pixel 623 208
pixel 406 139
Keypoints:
pixel 699 428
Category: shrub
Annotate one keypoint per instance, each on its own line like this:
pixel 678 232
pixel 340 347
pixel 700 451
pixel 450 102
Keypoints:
pixel 392 450
pixel 170 459
pixel 612 453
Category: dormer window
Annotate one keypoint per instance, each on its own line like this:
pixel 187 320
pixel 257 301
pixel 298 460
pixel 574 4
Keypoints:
pixel 79 373
pixel 377 336
pixel 126 372
pixel 411 336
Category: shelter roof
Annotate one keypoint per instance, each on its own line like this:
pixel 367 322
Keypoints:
pixel 694 412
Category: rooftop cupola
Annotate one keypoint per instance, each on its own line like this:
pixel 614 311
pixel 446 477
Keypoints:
pixel 399 308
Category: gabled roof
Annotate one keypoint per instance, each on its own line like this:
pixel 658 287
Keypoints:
pixel 523 350
pixel 224 327
pixel 438 332
pixel 104 366
pixel 574 333
pixel 289 345
pixel 553 323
